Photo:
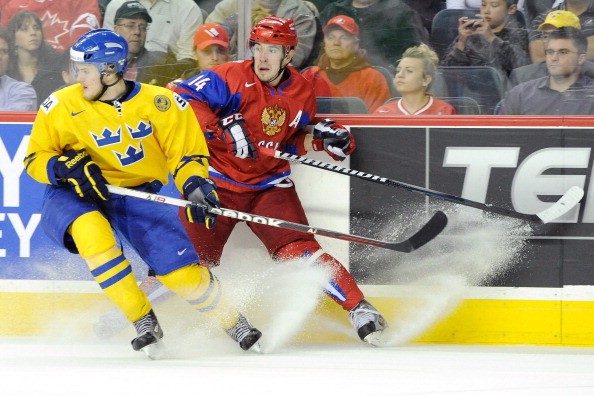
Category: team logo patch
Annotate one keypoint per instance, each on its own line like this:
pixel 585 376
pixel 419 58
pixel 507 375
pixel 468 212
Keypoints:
pixel 273 118
pixel 162 103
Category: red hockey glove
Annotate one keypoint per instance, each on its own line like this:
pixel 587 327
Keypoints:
pixel 204 192
pixel 335 139
pixel 237 136
pixel 84 176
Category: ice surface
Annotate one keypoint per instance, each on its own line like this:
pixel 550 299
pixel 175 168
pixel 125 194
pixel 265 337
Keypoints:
pixel 84 367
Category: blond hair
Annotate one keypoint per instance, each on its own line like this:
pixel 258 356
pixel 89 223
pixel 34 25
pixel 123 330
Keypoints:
pixel 427 55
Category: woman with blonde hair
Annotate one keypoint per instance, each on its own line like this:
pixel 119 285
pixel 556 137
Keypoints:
pixel 414 74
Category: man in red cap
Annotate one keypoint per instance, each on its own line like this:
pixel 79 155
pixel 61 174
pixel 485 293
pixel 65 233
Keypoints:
pixel 343 69
pixel 211 48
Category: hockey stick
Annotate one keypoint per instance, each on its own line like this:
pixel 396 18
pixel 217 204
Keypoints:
pixel 557 209
pixel 429 231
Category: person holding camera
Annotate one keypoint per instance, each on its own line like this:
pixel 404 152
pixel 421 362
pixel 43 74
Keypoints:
pixel 489 40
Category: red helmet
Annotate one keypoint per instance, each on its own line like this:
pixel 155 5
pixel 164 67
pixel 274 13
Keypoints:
pixel 274 30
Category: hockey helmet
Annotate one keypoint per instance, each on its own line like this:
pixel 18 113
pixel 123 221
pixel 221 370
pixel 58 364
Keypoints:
pixel 104 48
pixel 274 30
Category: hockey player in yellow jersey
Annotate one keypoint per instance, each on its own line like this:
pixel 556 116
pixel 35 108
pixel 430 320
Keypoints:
pixel 107 130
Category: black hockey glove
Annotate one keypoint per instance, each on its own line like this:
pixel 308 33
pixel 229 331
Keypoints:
pixel 204 192
pixel 235 133
pixel 335 139
pixel 84 176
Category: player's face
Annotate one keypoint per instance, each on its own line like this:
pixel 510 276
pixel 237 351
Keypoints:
pixel 496 12
pixel 340 45
pixel 89 78
pixel 562 57
pixel 211 56
pixel 133 31
pixel 3 57
pixel 267 61
pixel 29 35
pixel 410 76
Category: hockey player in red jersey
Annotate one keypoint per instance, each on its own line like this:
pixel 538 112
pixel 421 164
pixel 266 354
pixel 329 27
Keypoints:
pixel 265 102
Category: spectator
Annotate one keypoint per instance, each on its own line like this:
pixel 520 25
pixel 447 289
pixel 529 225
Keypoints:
pixel 475 4
pixel 555 20
pixel 32 61
pixel 62 23
pixel 414 75
pixel 489 41
pixel 150 67
pixel 584 9
pixel 14 95
pixel 533 8
pixel 225 14
pixel 68 76
pixel 211 48
pixel 343 69
pixel 566 90
pixel 388 27
pixel 426 10
pixel 173 26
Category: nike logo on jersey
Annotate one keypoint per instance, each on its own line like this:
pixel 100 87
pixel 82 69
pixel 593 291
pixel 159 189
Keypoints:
pixel 77 113
pixel 180 252
pixel 249 85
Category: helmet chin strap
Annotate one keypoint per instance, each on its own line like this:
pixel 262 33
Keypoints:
pixel 281 69
pixel 106 86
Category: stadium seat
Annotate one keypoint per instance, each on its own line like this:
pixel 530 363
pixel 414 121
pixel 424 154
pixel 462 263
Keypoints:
pixel 463 105
pixel 341 105
pixel 389 79
pixel 484 84
pixel 444 28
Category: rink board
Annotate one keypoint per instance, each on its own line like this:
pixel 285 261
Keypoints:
pixel 534 304
pixel 493 320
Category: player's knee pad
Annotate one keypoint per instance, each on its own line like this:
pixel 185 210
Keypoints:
pixel 92 234
pixel 196 284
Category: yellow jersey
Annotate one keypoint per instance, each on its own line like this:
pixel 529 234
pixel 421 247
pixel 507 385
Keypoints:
pixel 153 133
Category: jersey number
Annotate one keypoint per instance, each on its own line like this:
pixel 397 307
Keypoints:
pixel 199 82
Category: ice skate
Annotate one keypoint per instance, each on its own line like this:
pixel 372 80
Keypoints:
pixel 149 336
pixel 368 322
pixel 246 335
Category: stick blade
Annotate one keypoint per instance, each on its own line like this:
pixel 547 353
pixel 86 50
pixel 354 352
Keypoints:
pixel 429 231
pixel 562 206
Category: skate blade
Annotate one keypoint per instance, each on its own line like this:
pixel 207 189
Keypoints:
pixel 256 348
pixel 375 339
pixel 154 351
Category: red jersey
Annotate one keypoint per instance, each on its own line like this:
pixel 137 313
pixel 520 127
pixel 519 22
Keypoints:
pixel 432 107
pixel 367 84
pixel 275 116
pixel 63 21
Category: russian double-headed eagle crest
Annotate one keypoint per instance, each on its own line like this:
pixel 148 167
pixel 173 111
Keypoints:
pixel 273 118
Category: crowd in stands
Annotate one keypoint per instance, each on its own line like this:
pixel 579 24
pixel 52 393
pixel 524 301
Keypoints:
pixel 404 57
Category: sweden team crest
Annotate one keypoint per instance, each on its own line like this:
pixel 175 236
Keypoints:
pixel 162 103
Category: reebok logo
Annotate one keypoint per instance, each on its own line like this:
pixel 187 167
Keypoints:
pixel 180 252
pixel 74 161
pixel 249 85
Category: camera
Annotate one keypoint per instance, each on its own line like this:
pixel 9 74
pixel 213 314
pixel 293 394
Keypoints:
pixel 475 23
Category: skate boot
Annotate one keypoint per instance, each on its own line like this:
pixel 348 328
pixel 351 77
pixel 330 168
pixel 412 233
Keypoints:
pixel 246 335
pixel 149 336
pixel 368 322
